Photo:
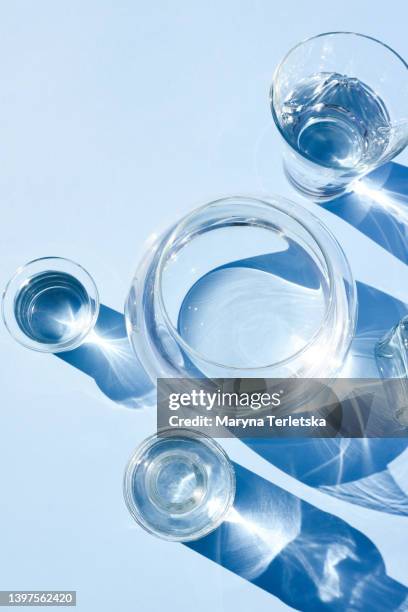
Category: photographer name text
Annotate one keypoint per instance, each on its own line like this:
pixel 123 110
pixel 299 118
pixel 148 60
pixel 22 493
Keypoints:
pixel 246 422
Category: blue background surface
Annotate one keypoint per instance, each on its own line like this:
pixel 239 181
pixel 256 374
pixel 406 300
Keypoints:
pixel 115 119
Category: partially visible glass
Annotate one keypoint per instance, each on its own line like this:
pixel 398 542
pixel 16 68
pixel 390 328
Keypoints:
pixel 392 351
pixel 179 485
pixel 392 360
pixel 50 305
pixel 340 101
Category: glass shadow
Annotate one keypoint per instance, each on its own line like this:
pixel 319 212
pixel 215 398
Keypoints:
pixel 333 461
pixel 107 356
pixel 360 464
pixel 378 207
pixel 309 559
pixel 352 469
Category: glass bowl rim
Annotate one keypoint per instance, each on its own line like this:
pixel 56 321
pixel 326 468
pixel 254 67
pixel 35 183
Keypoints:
pixel 278 203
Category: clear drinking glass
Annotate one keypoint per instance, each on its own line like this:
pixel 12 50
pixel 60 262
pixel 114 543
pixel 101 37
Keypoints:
pixel 340 101
pixel 392 359
pixel 50 305
pixel 243 287
pixel 392 351
pixel 179 485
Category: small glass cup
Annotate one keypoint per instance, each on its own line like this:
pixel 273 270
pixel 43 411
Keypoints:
pixel 243 288
pixel 179 485
pixel 50 305
pixel 340 101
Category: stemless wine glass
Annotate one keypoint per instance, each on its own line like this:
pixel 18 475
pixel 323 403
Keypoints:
pixel 243 287
pixel 340 101
pixel 50 305
pixel 179 485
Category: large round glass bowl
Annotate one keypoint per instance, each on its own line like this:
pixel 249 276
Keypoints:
pixel 179 486
pixel 243 287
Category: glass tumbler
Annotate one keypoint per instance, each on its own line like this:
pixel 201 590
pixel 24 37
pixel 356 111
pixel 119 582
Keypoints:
pixel 243 287
pixel 340 101
pixel 392 360
pixel 50 305
pixel 392 351
pixel 179 485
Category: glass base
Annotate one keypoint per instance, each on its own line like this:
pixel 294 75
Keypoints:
pixel 321 194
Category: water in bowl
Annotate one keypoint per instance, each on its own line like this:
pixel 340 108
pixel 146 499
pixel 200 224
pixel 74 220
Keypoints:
pixel 249 311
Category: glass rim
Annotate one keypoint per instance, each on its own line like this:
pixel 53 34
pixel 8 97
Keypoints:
pixel 275 203
pixel 304 42
pixel 137 457
pixel 55 347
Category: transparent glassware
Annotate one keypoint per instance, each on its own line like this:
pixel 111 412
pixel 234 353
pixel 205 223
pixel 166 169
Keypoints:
pixel 392 359
pixel 179 485
pixel 50 305
pixel 340 102
pixel 243 287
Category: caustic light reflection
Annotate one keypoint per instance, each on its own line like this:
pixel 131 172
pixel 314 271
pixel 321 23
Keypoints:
pixel 110 345
pixel 321 561
pixel 122 368
pixel 52 308
pixel 310 559
pixel 378 492
pixel 107 356
pixel 257 535
pixel 382 199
